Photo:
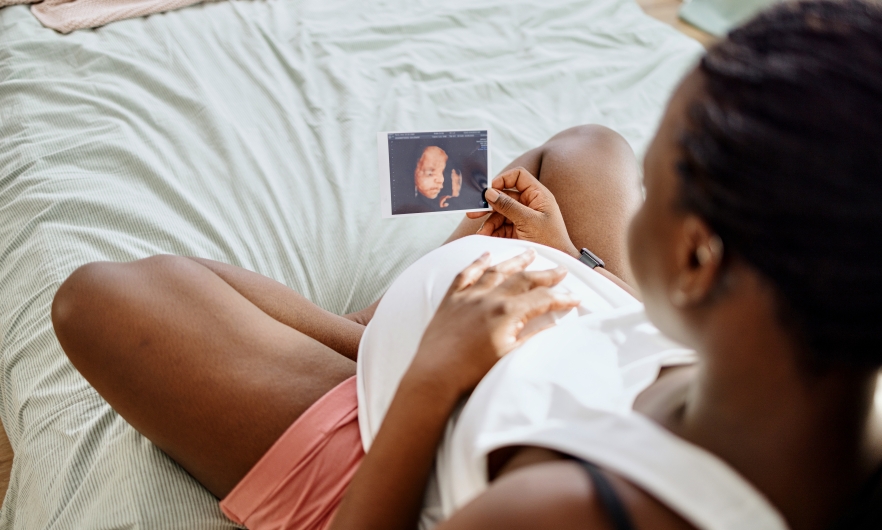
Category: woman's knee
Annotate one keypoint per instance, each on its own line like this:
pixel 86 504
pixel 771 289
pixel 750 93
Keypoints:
pixel 590 132
pixel 77 295
pixel 592 151
pixel 98 296
pixel 594 176
pixel 592 164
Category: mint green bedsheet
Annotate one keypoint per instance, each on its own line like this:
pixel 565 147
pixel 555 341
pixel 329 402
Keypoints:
pixel 245 132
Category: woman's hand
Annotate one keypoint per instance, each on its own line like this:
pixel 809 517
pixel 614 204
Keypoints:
pixel 481 319
pixel 524 209
pixel 478 321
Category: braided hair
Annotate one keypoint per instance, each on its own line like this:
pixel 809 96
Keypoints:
pixel 783 159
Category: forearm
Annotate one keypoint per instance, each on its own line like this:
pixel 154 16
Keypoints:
pixel 290 308
pixel 621 283
pixel 388 489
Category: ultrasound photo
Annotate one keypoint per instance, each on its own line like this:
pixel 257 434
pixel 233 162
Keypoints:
pixel 433 172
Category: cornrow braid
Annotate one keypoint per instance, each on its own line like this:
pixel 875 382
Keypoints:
pixel 783 158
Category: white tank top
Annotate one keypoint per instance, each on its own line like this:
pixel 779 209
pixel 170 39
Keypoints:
pixel 569 388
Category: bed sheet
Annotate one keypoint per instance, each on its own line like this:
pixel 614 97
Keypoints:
pixel 244 132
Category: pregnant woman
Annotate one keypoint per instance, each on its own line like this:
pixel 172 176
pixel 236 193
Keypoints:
pixel 757 248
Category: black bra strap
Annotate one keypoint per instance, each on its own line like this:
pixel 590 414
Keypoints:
pixel 608 497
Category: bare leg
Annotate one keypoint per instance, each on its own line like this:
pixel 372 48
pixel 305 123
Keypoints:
pixel 593 174
pixel 199 369
pixel 340 333
pixel 206 360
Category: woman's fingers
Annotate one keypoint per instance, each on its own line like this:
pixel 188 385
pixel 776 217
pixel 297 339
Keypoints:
pixel 470 274
pixel 527 280
pixel 516 264
pixel 516 195
pixel 510 207
pixel 543 300
pixel 491 225
pixel 518 179
pixel 496 219
pixel 502 271
pixel 510 275
pixel 537 302
pixel 506 231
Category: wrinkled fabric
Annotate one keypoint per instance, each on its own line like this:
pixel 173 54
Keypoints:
pixel 65 16
pixel 299 483
pixel 569 388
pixel 245 132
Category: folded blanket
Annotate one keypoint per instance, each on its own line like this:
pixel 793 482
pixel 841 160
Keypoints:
pixel 69 15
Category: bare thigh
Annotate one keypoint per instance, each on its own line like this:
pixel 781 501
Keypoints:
pixel 595 178
pixel 190 363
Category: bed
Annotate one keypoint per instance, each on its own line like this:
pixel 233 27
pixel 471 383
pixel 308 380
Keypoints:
pixel 244 131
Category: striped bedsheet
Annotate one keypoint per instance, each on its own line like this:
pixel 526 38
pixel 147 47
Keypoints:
pixel 244 131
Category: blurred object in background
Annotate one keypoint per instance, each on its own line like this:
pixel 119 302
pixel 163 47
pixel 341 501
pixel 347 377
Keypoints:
pixel 668 11
pixel 719 16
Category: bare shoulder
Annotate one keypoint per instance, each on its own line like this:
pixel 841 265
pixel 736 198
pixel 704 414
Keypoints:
pixel 558 495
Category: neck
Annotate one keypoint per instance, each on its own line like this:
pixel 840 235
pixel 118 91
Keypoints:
pixel 806 440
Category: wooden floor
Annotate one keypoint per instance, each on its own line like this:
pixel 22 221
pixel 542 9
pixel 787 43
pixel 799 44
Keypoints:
pixel 5 463
pixel 666 11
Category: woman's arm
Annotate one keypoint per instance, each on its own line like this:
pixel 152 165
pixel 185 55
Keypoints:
pixel 387 492
pixel 290 308
pixel 487 307
pixel 523 208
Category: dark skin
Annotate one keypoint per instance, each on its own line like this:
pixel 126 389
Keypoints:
pixel 240 356
pixel 806 440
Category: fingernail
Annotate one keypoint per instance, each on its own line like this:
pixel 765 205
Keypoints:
pixel 528 254
pixel 567 298
pixel 491 194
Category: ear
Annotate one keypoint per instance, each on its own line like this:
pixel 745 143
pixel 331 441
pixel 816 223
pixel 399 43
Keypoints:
pixel 699 258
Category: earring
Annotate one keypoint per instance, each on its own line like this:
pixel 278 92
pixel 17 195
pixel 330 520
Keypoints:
pixel 703 255
pixel 678 298
pixel 713 248
pixel 715 245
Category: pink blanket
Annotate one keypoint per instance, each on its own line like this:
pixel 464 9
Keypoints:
pixel 68 15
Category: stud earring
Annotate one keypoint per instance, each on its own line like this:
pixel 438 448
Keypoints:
pixel 713 248
pixel 703 255
pixel 678 298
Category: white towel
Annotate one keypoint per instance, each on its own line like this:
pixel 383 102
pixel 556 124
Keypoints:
pixel 69 15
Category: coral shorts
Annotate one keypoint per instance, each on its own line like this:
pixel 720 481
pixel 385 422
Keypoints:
pixel 300 481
